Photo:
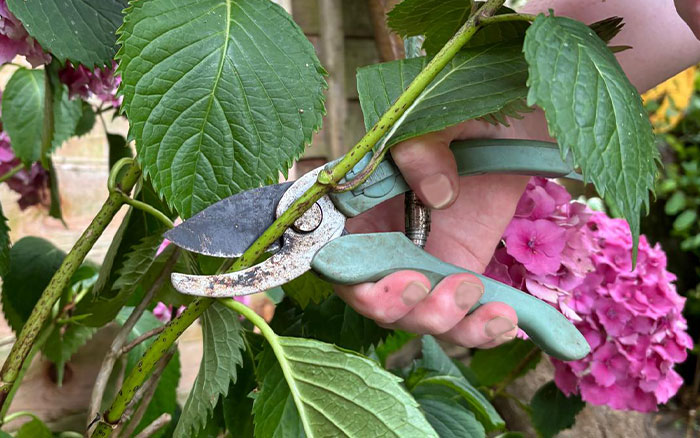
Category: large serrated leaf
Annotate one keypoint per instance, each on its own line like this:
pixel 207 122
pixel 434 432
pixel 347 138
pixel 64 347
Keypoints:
pixel 336 393
pixel 437 20
pixel 81 31
pixel 223 344
pixel 594 111
pixel 232 109
pixel 478 82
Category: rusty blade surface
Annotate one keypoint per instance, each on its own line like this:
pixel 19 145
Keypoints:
pixel 229 227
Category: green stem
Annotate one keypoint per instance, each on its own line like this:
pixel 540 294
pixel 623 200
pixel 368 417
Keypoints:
pixel 508 17
pixel 11 173
pixel 38 344
pixel 59 282
pixel 18 414
pixel 327 179
pixel 273 340
pixel 149 209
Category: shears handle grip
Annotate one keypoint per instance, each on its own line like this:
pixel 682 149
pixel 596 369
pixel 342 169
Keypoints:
pixel 473 157
pixel 358 258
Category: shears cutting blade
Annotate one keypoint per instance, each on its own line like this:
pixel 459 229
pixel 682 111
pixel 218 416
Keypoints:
pixel 318 241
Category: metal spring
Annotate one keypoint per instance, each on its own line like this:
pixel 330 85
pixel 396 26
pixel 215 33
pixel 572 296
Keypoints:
pixel 417 219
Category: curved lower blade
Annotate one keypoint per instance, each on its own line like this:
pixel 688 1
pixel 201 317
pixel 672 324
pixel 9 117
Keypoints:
pixel 229 227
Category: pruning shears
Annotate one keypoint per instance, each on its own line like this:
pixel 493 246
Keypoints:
pixel 318 240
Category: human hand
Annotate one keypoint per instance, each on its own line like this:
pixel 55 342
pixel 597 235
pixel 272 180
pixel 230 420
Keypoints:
pixel 469 217
pixel 689 10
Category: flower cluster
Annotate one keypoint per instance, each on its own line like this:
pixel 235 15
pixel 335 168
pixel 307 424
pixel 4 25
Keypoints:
pixel 101 83
pixel 580 262
pixel 14 40
pixel 32 184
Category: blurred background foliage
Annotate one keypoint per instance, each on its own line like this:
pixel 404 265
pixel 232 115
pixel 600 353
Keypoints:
pixel 674 109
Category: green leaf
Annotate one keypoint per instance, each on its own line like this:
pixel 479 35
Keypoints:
pixel 435 359
pixel 487 81
pixel 336 393
pixel 34 429
pixel 495 364
pixel 449 418
pixel 477 403
pixel 685 220
pixel 223 343
pixel 437 20
pixel 593 111
pixel 86 121
pixel 63 342
pixel 306 288
pixel 23 113
pixel 552 411
pixel 675 203
pixel 82 31
pixel 33 261
pixel 4 245
pixel 254 90
pixel 136 263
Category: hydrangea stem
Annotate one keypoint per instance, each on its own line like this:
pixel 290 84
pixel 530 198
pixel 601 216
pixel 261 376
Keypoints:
pixel 60 280
pixel 327 180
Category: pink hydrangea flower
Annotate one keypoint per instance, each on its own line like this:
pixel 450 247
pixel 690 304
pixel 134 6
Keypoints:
pixel 164 313
pixel 31 184
pixel 632 320
pixel 14 40
pixel 101 83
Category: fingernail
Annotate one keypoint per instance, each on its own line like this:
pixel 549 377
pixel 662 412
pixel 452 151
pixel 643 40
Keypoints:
pixel 467 294
pixel 498 326
pixel 436 190
pixel 414 293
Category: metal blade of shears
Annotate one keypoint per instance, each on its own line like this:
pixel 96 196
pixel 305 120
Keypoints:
pixel 228 227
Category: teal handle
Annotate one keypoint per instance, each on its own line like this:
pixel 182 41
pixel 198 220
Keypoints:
pixel 474 157
pixel 357 258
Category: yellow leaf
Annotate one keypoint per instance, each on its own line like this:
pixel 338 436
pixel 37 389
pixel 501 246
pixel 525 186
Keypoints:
pixel 674 97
